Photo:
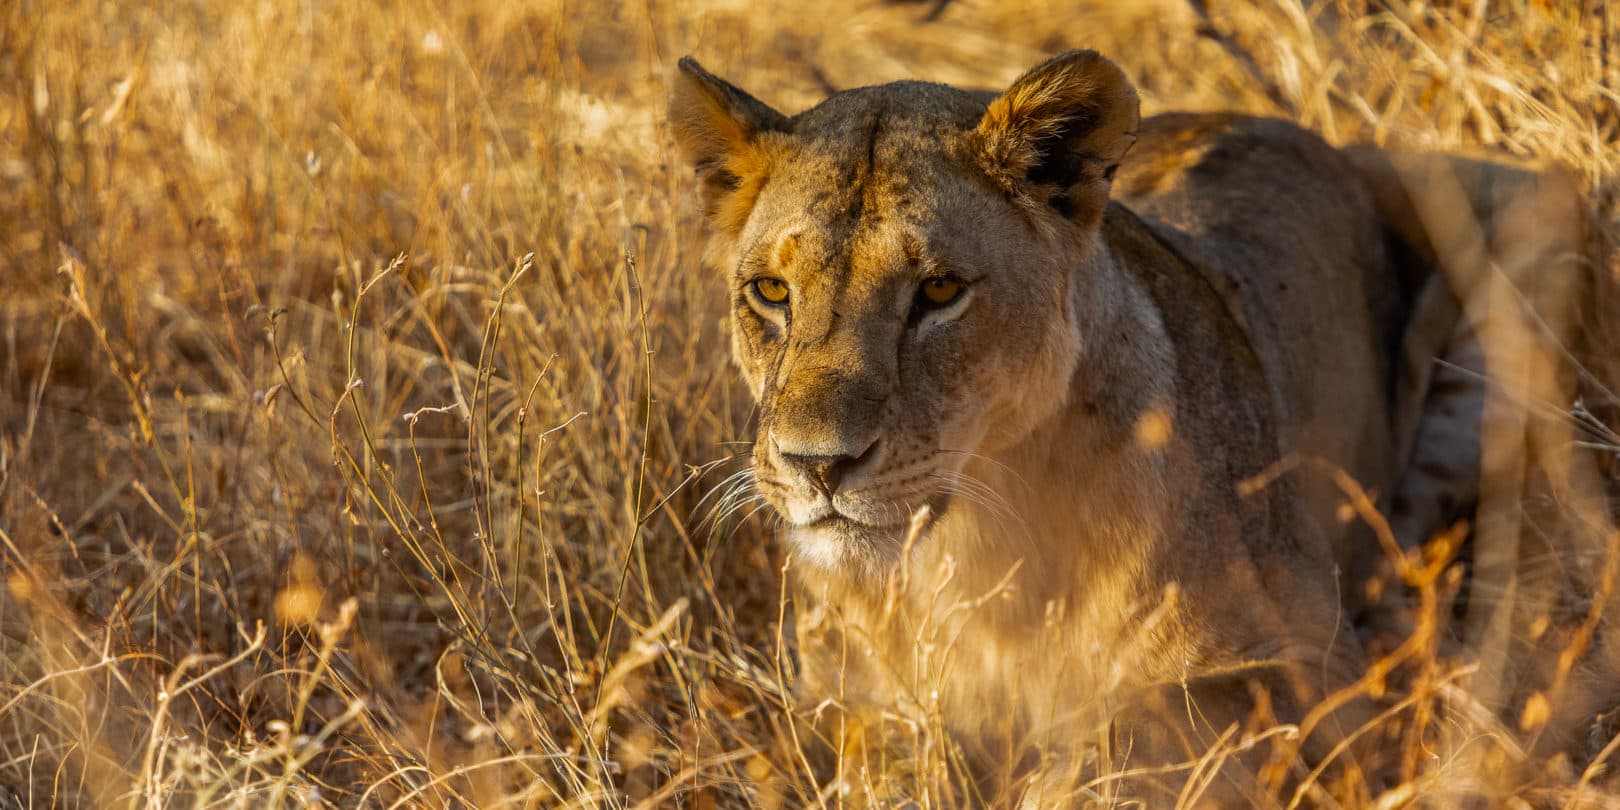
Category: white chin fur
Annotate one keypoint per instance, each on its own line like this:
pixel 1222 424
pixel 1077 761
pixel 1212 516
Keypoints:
pixel 822 548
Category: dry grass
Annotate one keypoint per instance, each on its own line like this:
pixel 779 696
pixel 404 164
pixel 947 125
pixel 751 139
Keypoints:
pixel 359 383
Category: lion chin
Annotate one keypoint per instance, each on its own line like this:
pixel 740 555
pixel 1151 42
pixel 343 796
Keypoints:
pixel 835 542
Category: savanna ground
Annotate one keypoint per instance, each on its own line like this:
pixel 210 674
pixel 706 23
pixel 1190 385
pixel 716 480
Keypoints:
pixel 360 385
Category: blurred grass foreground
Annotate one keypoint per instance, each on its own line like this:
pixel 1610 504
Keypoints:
pixel 360 383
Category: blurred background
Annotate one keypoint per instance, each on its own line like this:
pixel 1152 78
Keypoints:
pixel 360 384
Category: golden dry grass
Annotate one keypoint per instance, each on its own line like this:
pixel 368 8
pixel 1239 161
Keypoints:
pixel 359 384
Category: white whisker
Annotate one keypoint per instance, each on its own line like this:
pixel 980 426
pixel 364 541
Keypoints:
pixel 763 504
pixel 978 492
pixel 739 489
pixel 1014 474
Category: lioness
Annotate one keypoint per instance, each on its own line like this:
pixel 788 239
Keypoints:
pixel 1056 466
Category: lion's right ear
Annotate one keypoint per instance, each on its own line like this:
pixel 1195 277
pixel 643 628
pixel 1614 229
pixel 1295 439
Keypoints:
pixel 717 127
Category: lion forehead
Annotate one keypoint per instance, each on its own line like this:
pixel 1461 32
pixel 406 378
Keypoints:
pixel 902 214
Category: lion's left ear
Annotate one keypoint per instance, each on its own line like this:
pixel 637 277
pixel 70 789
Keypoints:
pixel 1057 134
pixel 717 127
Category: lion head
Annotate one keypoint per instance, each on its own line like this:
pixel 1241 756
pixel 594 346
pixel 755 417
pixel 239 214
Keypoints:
pixel 906 266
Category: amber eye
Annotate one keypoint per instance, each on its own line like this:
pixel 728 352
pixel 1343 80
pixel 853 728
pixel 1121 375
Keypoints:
pixel 771 290
pixel 941 291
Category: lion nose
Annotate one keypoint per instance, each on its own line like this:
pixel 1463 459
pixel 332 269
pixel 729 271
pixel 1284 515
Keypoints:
pixel 827 472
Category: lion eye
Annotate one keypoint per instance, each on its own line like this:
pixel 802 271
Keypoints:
pixel 939 292
pixel 771 290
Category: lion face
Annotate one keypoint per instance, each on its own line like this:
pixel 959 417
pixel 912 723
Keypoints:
pixel 883 347
pixel 903 288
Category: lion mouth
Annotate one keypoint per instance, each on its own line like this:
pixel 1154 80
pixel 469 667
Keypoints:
pixel 836 540
pixel 831 519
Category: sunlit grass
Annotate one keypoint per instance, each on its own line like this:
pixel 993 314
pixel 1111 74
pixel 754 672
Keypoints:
pixel 360 386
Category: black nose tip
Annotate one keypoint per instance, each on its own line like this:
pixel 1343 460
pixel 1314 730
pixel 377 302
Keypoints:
pixel 826 472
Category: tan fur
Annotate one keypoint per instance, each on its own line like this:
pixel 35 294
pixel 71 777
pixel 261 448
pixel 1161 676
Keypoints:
pixel 1041 527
